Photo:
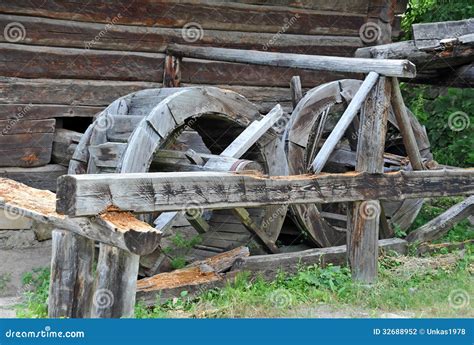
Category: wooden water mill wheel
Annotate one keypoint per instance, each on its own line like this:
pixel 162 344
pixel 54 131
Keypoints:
pixel 143 132
pixel 311 122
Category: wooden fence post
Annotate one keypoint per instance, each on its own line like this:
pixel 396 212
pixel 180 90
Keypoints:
pixel 71 279
pixel 363 229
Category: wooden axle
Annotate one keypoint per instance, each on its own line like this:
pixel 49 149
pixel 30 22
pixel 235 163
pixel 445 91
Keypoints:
pixel 80 195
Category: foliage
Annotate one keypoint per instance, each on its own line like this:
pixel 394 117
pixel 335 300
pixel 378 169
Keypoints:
pixel 36 288
pixel 428 11
pixel 4 280
pixel 461 232
pixel 450 144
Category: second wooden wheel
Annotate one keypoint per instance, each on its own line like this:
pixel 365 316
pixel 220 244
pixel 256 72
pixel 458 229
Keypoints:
pixel 311 122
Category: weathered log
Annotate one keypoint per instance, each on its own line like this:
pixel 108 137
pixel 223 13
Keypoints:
pixel 115 284
pixel 238 17
pixel 404 126
pixel 440 225
pixel 193 279
pixel 40 177
pixel 71 275
pixel 75 34
pixel 428 35
pixel 84 194
pixel 363 229
pixel 270 265
pixel 116 228
pixel 296 90
pixel 392 68
pixel 344 122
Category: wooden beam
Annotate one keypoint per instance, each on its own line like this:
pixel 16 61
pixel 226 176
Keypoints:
pixel 392 68
pixel 440 225
pixel 119 229
pixel 346 119
pixel 404 125
pixel 80 195
pixel 270 265
pixel 296 90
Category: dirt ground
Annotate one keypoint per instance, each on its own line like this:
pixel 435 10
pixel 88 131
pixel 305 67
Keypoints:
pixel 13 264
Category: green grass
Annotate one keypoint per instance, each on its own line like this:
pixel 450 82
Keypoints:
pixel 401 287
pixel 461 232
pixel 36 287
pixel 4 280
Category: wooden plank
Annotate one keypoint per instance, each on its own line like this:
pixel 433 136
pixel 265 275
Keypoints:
pixel 40 177
pixel 346 119
pixel 439 226
pixel 76 34
pixel 19 126
pixel 63 63
pixel 363 229
pixel 46 111
pixel 238 16
pixel 270 265
pixel 392 68
pixel 119 229
pixel 428 35
pixel 149 192
pixel 404 125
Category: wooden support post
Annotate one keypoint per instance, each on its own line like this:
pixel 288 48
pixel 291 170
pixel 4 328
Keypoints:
pixel 70 289
pixel 115 285
pixel 296 90
pixel 346 119
pixel 363 227
pixel 404 125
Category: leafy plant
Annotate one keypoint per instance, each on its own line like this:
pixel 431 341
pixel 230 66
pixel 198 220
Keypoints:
pixel 36 288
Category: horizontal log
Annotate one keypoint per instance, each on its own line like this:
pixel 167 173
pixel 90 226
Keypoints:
pixel 24 61
pixel 428 35
pixel 50 62
pixel 80 195
pixel 40 177
pixel 46 111
pixel 75 34
pixel 440 225
pixel 120 229
pixel 19 126
pixel 460 77
pixel 232 16
pixel 270 265
pixel 391 68
pixel 424 60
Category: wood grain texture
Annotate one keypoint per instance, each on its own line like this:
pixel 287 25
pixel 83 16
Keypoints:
pixel 84 194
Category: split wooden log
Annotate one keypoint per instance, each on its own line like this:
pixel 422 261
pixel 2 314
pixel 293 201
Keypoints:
pixel 296 90
pixel 391 68
pixel 344 122
pixel 440 225
pixel 193 279
pixel 120 229
pixel 80 195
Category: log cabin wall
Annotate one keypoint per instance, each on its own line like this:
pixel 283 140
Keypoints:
pixel 63 61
